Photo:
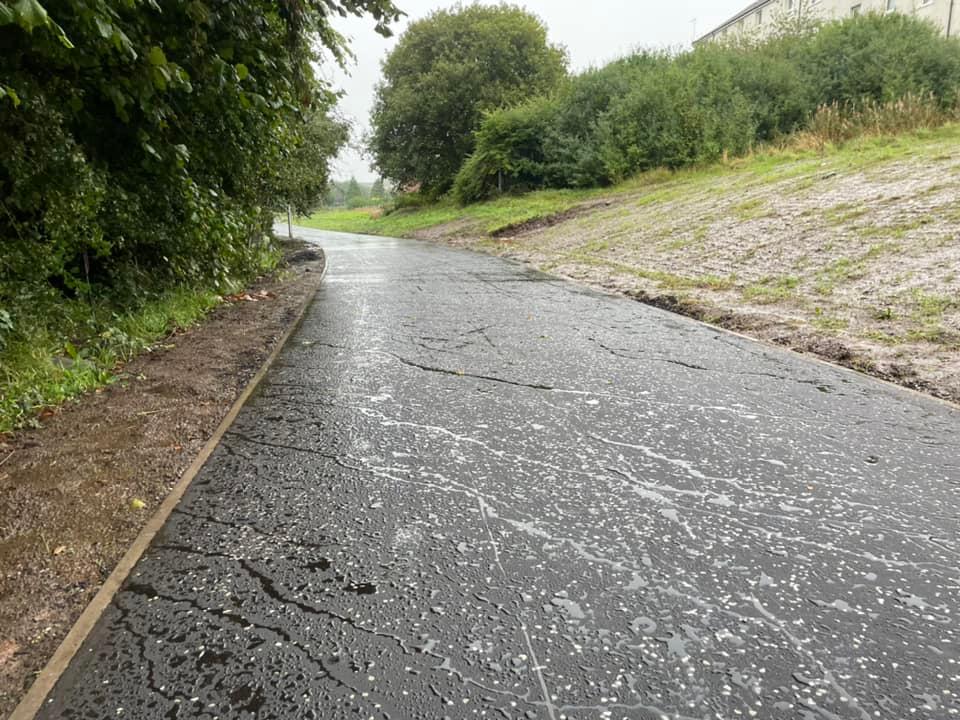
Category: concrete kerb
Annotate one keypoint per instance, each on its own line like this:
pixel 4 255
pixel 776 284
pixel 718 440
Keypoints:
pixel 32 702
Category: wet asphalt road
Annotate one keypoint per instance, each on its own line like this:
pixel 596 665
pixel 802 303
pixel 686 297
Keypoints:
pixel 471 491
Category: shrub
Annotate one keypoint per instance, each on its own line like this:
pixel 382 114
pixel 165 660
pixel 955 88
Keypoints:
pixel 881 57
pixel 549 141
pixel 573 153
pixel 510 152
pixel 670 121
pixel 867 74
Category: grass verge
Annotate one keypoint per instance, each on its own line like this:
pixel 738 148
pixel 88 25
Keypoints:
pixel 484 218
pixel 62 349
pixel 43 367
pixel 791 162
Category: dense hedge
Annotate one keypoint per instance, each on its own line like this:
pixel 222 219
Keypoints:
pixel 660 110
pixel 144 143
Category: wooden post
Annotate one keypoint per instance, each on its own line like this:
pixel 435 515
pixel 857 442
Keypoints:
pixel 289 222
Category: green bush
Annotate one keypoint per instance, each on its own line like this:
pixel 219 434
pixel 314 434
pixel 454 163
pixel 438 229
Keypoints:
pixel 510 152
pixel 657 110
pixel 664 121
pixel 550 141
pixel 146 143
pixel 881 58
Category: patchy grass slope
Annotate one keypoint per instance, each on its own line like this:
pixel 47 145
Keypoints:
pixel 481 219
pixel 853 254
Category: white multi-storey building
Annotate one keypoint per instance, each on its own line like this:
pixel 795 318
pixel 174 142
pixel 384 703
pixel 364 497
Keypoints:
pixel 760 18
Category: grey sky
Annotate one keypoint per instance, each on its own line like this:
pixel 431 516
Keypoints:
pixel 593 32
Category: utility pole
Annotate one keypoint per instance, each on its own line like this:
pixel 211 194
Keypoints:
pixel 289 222
pixel 950 19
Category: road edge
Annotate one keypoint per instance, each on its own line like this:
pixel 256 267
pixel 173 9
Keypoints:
pixel 32 702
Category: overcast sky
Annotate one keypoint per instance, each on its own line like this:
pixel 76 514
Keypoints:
pixel 593 32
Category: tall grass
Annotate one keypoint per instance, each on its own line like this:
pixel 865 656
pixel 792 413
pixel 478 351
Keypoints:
pixel 836 123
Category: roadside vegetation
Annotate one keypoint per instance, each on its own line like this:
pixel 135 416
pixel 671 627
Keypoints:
pixel 446 71
pixel 144 150
pixel 805 156
pixel 44 369
pixel 657 109
pixel 654 109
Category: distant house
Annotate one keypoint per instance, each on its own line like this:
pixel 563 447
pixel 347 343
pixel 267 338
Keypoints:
pixel 760 18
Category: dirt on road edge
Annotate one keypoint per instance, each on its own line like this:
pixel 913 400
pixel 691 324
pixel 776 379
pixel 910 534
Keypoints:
pixel 75 493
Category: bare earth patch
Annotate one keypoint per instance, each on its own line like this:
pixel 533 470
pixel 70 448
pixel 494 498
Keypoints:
pixel 68 490
pixel 856 260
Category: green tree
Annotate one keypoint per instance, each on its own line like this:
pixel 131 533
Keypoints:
pixel 143 141
pixel 445 72
pixel 303 170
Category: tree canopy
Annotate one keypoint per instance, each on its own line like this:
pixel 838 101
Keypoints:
pixel 445 72
pixel 137 134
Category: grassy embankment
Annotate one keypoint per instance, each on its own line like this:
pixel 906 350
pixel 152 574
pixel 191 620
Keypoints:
pixel 852 252
pixel 489 219
pixel 486 218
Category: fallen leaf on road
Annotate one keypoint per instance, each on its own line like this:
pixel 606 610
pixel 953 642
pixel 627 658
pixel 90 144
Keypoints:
pixel 137 504
pixel 59 549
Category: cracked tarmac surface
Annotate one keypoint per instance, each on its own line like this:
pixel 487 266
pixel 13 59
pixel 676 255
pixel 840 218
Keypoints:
pixel 468 490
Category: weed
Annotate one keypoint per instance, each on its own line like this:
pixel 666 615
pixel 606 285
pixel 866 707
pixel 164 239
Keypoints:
pixel 934 333
pixel 844 213
pixel 931 307
pixel 838 123
pixel 837 272
pixel 772 290
pixel 686 240
pixel 829 323
pixel 750 210
pixel 897 230
pixel 883 338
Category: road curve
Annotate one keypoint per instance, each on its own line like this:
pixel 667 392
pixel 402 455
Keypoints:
pixel 469 490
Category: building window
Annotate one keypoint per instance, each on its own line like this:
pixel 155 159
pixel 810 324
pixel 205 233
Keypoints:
pixel 891 5
pixel 855 10
pixel 759 17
